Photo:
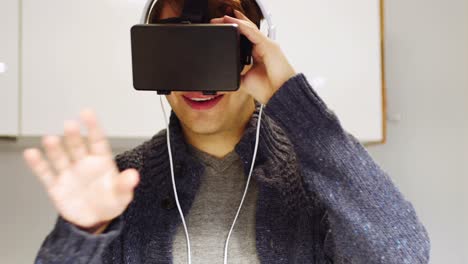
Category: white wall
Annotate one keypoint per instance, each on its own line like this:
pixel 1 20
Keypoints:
pixel 427 151
pixel 426 154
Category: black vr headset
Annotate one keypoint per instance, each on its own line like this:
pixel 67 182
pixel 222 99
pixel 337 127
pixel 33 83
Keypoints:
pixel 187 53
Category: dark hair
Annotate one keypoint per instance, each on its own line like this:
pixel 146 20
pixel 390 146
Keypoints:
pixel 216 8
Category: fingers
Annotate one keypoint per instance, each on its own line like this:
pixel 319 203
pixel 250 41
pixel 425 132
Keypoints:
pixel 97 141
pixel 55 153
pixel 246 27
pixel 240 15
pixel 39 166
pixel 126 181
pixel 73 140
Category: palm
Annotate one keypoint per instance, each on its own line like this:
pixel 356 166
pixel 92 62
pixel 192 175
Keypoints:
pixel 257 83
pixel 83 183
pixel 81 194
pixel 271 68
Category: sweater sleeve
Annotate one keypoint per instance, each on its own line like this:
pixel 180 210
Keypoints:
pixel 68 244
pixel 370 221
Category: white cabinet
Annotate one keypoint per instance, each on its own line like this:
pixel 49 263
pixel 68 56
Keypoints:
pixel 77 54
pixel 9 101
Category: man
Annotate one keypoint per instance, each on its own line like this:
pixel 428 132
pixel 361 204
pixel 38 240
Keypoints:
pixel 316 196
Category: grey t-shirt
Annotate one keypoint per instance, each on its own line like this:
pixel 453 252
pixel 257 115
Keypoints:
pixel 213 211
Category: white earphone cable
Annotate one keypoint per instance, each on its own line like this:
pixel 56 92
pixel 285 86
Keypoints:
pixel 189 255
pixel 246 185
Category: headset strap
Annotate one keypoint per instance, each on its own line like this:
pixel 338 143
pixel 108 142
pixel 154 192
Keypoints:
pixel 195 11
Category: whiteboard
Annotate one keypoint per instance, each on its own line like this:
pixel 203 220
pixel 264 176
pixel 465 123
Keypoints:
pixel 9 101
pixel 336 43
pixel 77 54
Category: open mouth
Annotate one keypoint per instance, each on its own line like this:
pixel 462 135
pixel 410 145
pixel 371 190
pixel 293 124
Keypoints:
pixel 199 101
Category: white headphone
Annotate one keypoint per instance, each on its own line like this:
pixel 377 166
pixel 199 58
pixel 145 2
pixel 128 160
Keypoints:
pixel 272 35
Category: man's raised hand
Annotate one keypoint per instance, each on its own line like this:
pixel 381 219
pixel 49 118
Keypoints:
pixel 80 175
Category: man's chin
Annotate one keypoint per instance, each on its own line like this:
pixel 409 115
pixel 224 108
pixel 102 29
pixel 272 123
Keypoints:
pixel 202 127
pixel 206 131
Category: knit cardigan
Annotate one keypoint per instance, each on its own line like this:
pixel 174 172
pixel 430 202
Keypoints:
pixel 321 197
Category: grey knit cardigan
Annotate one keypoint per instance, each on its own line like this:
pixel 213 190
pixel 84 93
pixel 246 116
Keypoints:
pixel 321 197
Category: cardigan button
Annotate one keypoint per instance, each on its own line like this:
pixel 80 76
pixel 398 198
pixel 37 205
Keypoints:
pixel 168 203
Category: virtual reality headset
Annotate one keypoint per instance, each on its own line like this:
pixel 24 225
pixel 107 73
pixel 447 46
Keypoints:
pixel 187 53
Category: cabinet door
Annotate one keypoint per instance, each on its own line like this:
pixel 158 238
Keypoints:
pixel 9 90
pixel 77 54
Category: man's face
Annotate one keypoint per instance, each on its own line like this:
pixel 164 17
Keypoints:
pixel 209 114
